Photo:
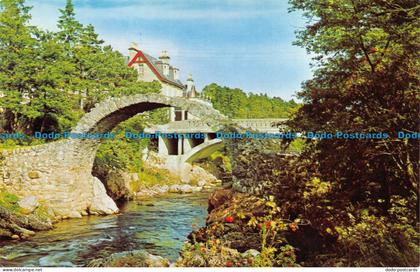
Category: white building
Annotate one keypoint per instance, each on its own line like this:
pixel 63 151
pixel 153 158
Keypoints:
pixel 150 69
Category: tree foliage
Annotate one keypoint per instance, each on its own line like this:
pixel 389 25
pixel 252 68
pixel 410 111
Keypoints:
pixel 49 79
pixel 235 103
pixel 365 80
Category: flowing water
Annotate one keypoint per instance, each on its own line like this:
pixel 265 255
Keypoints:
pixel 159 225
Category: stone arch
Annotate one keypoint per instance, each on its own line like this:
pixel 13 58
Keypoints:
pixel 60 172
pixel 107 114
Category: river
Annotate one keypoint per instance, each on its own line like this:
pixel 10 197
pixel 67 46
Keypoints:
pixel 158 225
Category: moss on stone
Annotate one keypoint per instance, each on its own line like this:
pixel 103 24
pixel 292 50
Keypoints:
pixel 43 212
pixel 10 202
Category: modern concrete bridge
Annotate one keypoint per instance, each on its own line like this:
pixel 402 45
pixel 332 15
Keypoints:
pixel 182 150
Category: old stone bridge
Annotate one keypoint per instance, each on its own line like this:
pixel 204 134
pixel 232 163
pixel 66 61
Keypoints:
pixel 60 172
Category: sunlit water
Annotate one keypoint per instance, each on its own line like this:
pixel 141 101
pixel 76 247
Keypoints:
pixel 159 225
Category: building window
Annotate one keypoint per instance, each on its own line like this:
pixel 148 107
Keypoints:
pixel 140 69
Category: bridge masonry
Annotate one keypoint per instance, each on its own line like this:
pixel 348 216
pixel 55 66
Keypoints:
pixel 60 173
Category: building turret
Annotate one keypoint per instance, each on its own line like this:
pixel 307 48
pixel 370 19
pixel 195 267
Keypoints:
pixel 191 91
pixel 164 57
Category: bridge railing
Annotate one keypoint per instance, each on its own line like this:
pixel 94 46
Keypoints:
pixel 263 125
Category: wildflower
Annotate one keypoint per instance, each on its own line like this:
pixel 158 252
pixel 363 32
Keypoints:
pixel 229 219
pixel 293 227
pixel 229 264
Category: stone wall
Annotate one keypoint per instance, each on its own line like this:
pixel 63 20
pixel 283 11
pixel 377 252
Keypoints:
pixel 58 173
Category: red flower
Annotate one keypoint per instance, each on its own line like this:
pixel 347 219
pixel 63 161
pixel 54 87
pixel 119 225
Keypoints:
pixel 293 227
pixel 229 219
pixel 267 225
pixel 229 264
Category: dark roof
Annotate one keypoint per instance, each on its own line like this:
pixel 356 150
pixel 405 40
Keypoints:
pixel 157 69
pixel 154 61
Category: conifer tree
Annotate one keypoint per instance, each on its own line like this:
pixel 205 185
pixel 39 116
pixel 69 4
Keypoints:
pixel 99 71
pixel 70 30
pixel 17 63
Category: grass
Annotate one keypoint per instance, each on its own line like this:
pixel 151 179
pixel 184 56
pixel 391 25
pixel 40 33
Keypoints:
pixel 149 177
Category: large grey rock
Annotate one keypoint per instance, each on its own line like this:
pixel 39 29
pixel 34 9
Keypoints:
pixel 101 202
pixel 17 226
pixel 174 188
pixel 162 189
pixel 251 253
pixel 29 203
pixel 118 184
pixel 185 188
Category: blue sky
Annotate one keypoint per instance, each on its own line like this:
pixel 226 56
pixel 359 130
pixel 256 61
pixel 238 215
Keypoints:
pixel 236 43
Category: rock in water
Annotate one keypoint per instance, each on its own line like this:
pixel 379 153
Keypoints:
pixel 17 226
pixel 135 258
pixel 101 202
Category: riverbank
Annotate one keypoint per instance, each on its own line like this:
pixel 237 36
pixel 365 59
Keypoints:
pixel 241 231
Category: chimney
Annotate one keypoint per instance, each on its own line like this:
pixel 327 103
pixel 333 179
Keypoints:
pixel 164 57
pixel 132 51
pixel 176 73
pixel 190 81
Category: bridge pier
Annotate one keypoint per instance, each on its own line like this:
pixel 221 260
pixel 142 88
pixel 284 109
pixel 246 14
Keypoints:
pixel 60 174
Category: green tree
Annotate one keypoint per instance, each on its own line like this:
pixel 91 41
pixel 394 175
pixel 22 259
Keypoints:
pixel 235 103
pixel 32 74
pixel 17 66
pixel 51 101
pixel 99 71
pixel 70 30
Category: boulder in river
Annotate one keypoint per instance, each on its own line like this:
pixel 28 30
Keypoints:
pixel 135 258
pixel 101 202
pixel 17 226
